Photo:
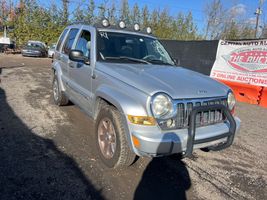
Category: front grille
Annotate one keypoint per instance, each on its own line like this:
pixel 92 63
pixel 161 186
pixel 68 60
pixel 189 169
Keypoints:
pixel 203 118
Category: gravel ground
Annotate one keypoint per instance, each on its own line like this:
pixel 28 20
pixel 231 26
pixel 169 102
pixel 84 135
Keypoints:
pixel 48 152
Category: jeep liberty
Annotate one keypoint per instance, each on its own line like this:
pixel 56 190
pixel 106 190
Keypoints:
pixel 142 103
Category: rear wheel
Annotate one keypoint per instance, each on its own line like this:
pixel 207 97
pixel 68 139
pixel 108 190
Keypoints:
pixel 112 143
pixel 58 96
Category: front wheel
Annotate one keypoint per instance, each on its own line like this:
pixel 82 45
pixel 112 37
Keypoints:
pixel 112 143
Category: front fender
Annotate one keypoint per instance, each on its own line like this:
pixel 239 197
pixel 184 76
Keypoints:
pixel 131 103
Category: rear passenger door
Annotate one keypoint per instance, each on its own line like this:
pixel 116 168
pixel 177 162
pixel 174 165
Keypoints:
pixel 80 73
pixel 57 56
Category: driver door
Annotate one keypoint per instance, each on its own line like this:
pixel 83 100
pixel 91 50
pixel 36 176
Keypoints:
pixel 80 73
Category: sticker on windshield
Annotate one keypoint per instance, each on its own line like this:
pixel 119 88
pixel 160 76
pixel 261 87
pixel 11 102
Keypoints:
pixel 104 35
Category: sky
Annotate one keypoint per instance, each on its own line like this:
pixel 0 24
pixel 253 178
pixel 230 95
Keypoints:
pixel 244 8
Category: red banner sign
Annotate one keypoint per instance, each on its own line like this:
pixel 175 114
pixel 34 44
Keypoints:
pixel 241 61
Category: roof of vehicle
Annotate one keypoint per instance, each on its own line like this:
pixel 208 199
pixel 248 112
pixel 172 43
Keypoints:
pixel 114 28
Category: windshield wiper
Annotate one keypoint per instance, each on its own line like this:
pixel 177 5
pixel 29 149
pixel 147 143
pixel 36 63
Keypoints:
pixel 127 58
pixel 159 61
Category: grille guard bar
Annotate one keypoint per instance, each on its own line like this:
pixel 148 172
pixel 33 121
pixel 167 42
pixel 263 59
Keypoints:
pixel 192 129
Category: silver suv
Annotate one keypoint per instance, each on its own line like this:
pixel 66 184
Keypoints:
pixel 142 103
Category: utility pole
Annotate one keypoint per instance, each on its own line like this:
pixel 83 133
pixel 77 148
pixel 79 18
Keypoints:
pixel 258 13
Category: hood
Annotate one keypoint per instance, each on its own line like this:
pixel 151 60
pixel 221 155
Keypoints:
pixel 175 81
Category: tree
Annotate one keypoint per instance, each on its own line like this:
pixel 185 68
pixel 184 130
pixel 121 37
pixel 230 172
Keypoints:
pixel 191 28
pixel 214 12
pixel 247 32
pixel 135 15
pixel 79 15
pixel 90 16
pixel 232 31
pixel 65 12
pixel 161 24
pixel 145 18
pixel 125 13
pixel 31 21
pixel 112 13
pixel 3 12
pixel 102 9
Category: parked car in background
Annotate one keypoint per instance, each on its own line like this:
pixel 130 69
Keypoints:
pixel 51 50
pixel 34 49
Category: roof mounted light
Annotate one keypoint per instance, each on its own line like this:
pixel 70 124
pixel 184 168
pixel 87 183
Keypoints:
pixel 105 22
pixel 148 30
pixel 122 24
pixel 136 27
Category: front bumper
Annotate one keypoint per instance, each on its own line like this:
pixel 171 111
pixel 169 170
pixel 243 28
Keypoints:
pixel 32 54
pixel 154 142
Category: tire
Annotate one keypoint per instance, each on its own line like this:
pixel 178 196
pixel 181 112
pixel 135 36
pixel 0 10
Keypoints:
pixel 59 97
pixel 122 155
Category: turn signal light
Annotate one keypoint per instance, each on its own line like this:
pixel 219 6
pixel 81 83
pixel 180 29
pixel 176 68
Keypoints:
pixel 142 120
pixel 136 142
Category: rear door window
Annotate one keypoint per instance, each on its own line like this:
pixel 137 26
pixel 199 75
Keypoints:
pixel 69 41
pixel 61 39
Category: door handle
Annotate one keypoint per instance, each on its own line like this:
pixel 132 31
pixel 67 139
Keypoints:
pixel 75 65
pixel 71 65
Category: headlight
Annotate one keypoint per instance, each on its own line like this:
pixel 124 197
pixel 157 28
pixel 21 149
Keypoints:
pixel 231 101
pixel 161 106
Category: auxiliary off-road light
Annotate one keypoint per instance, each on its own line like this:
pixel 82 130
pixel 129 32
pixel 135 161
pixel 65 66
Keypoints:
pixel 122 24
pixel 170 123
pixel 142 120
pixel 105 22
pixel 148 30
pixel 136 27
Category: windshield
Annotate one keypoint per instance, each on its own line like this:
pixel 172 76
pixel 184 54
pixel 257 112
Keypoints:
pixel 36 45
pixel 122 47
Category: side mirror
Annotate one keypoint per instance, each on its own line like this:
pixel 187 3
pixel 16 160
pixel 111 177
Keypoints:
pixel 77 56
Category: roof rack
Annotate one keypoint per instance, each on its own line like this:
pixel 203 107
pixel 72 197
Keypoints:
pixel 98 25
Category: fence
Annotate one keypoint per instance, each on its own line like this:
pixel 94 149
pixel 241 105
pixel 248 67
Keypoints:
pixel 195 55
